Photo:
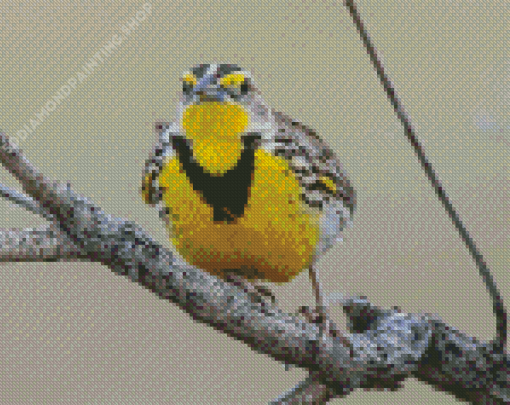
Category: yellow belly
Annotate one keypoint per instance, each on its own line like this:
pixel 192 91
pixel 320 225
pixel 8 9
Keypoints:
pixel 276 236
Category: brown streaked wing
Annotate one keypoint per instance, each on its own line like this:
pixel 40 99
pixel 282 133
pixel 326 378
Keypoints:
pixel 313 162
pixel 151 191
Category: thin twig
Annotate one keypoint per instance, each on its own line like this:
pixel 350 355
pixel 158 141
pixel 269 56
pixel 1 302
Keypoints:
pixel 498 306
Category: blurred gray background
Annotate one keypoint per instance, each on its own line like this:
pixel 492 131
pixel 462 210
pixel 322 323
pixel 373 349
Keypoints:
pixel 76 333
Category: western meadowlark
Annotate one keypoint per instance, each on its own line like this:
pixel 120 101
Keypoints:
pixel 245 189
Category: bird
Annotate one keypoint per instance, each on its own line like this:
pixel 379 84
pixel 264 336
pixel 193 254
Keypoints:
pixel 248 193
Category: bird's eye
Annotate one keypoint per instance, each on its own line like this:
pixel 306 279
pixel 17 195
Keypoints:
pixel 236 83
pixel 188 81
pixel 187 87
pixel 244 88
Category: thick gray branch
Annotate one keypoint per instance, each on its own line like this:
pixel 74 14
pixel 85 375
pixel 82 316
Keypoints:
pixel 43 244
pixel 388 345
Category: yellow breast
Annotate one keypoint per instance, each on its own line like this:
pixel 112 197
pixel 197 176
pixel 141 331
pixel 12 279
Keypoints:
pixel 276 235
pixel 214 128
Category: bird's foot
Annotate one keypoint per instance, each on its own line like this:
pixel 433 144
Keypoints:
pixel 319 316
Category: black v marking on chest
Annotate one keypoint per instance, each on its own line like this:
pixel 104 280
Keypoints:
pixel 227 194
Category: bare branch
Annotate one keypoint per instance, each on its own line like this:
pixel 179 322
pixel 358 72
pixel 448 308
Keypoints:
pixel 23 201
pixel 43 244
pixel 307 392
pixel 388 345
pixel 451 361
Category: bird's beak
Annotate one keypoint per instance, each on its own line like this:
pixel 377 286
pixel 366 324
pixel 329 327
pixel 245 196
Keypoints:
pixel 206 91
